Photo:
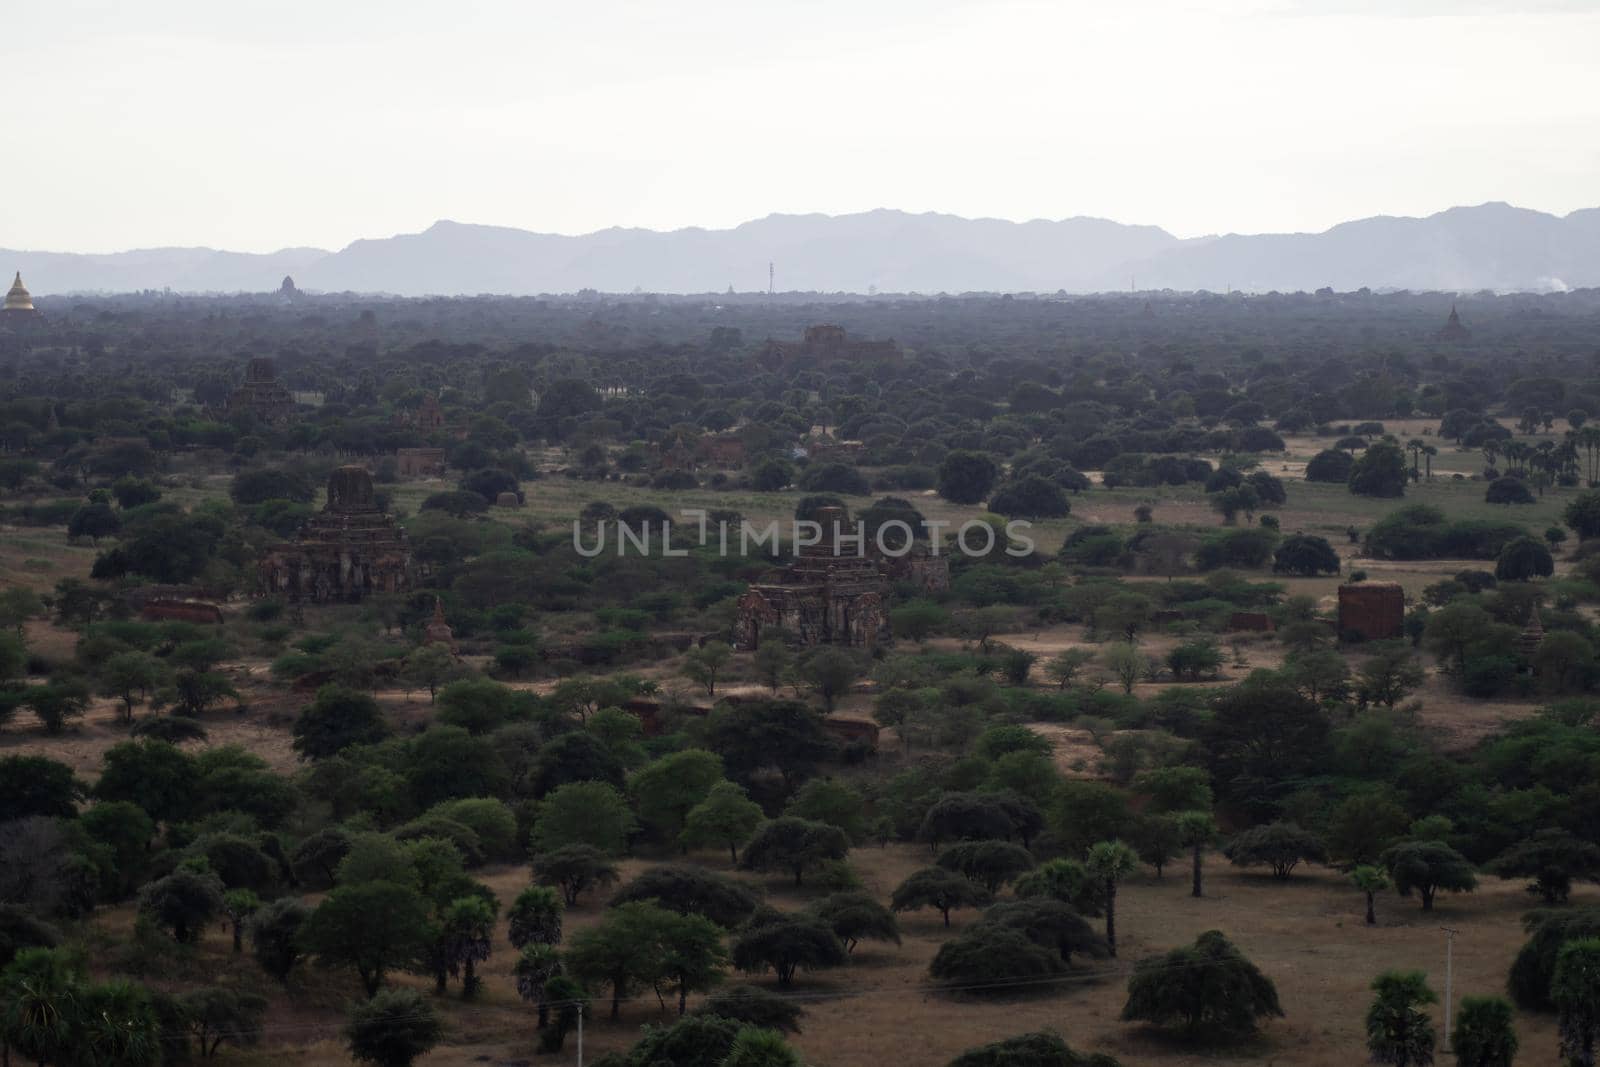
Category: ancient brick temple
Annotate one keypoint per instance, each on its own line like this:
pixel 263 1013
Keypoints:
pixel 829 595
pixel 262 395
pixel 419 462
pixel 822 345
pixel 1372 611
pixel 348 550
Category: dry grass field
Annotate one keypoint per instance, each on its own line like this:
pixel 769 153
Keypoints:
pixel 1306 934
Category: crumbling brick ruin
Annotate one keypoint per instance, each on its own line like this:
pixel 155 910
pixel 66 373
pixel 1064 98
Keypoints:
pixel 348 550
pixel 262 395
pixel 1372 611
pixel 419 462
pixel 823 345
pixel 822 598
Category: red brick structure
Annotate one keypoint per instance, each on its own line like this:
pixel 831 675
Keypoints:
pixel 1256 621
pixel 438 631
pixel 197 611
pixel 827 596
pixel 1372 611
pixel 419 462
pixel 262 395
pixel 348 550
pixel 823 345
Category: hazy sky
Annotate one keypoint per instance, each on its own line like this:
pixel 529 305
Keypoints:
pixel 258 125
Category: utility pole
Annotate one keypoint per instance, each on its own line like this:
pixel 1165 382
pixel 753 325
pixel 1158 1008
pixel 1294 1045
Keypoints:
pixel 580 1033
pixel 1449 976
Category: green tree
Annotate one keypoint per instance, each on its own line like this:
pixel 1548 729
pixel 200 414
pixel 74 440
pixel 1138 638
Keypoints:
pixel 1371 881
pixel 774 663
pixel 337 719
pixel 1427 867
pixel 467 934
pixel 534 969
pixel 1065 667
pixel 623 951
pixel 1279 845
pixel 1553 858
pixel 1484 1034
pixel 667 790
pixel 131 677
pixel 691 890
pixel 830 672
pixel 574 869
pixel 535 917
pixel 220 1016
pixel 275 936
pixel 36 785
pixel 991 864
pixel 1575 989
pixel 993 958
pixel 1196 830
pixel 1127 664
pixel 477 705
pixel 1388 675
pixel 829 801
pixel 1582 515
pixel 115 1023
pixel 1399 1032
pixel 918 620
pixel 967 477
pixel 725 817
pixel 754 1006
pixel 1111 862
pixel 372 928
pixel 1040 1049
pixel 1209 988
pixel 317 856
pixel 754 1047
pixel 1364 824
pixel 57 704
pixel 584 813
pixel 855 916
pixel 1379 472
pixel 793 845
pixel 1305 555
pixel 785 943
pixel 430 667
pixel 392 1028
pixel 785 735
pixel 38 1005
pixel 182 902
pixel 940 889
pixel 238 905
pixel 704 665
pixel 1523 560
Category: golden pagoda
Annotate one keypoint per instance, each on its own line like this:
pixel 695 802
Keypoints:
pixel 18 299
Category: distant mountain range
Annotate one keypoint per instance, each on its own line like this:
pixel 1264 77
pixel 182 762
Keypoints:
pixel 1491 246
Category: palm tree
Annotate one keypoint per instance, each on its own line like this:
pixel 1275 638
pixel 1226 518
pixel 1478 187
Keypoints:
pixel 1196 829
pixel 1398 1031
pixel 1111 861
pixel 1428 452
pixel 1416 445
pixel 533 970
pixel 1371 881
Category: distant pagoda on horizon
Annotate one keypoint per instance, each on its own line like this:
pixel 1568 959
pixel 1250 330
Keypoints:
pixel 19 302
pixel 1453 331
